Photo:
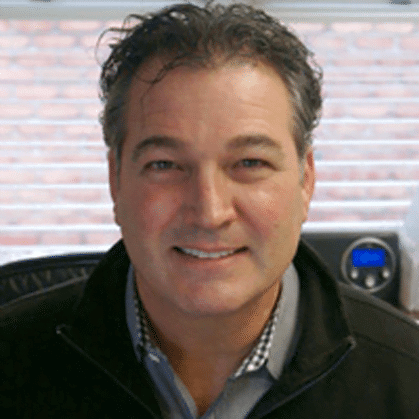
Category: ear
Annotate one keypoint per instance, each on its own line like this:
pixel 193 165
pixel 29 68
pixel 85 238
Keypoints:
pixel 308 180
pixel 113 181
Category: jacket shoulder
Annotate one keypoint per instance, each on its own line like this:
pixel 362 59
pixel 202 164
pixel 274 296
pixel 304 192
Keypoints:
pixel 379 322
pixel 43 292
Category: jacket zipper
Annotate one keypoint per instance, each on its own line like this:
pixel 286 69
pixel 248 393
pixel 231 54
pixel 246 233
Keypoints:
pixel 85 355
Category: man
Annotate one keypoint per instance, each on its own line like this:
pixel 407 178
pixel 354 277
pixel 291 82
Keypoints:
pixel 210 307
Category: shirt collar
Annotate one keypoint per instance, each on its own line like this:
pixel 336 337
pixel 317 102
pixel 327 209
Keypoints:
pixel 272 348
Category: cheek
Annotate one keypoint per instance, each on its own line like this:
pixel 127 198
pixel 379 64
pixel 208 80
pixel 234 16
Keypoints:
pixel 271 209
pixel 151 209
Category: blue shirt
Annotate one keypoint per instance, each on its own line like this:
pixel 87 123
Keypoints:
pixel 261 368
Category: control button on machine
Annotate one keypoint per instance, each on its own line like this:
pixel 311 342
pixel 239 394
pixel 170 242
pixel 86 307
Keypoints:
pixel 354 274
pixel 370 281
pixel 385 273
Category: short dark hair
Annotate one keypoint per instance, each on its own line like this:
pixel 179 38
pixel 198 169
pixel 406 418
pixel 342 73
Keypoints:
pixel 190 35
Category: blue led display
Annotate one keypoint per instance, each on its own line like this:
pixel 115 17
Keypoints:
pixel 368 258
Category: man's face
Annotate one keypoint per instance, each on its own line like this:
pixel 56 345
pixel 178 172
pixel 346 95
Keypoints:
pixel 210 195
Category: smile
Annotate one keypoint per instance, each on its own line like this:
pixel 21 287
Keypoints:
pixel 207 255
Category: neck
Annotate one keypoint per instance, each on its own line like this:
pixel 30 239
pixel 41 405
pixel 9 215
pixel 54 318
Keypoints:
pixel 205 350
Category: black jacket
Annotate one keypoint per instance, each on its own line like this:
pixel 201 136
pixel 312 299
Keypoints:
pixel 356 356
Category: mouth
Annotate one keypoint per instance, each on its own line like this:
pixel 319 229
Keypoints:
pixel 200 254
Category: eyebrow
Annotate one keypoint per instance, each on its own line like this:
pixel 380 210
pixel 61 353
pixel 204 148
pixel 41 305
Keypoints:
pixel 256 140
pixel 239 142
pixel 156 141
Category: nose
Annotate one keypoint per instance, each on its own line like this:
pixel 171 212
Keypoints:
pixel 210 200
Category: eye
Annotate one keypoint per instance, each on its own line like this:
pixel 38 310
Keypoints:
pixel 160 165
pixel 252 163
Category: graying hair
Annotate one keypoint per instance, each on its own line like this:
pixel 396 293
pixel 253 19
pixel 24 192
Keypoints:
pixel 186 34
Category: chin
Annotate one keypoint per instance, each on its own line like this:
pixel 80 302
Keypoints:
pixel 222 302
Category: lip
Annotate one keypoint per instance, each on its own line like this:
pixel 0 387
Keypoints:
pixel 232 252
pixel 210 249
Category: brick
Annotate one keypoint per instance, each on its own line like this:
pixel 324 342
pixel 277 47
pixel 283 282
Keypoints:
pixel 14 217
pixel 96 176
pixel 58 110
pixel 8 157
pixel 37 59
pixel 60 238
pixel 410 43
pixel 94 131
pixel 85 59
pixel 18 110
pixel 4 25
pixel 112 24
pixel 81 91
pixel 14 74
pixel 397 61
pixel 31 196
pixel 54 41
pixel 12 176
pixel 103 238
pixel 407 111
pixel 345 131
pixel 333 111
pixel 6 130
pixel 61 176
pixel 92 111
pixel 367 152
pixel 307 28
pixel 92 74
pixel 87 216
pixel 30 156
pixel 5 92
pixel 392 131
pixel 400 27
pixel 7 197
pixel 354 61
pixel 37 92
pixel 30 26
pixel 389 192
pixel 340 193
pixel 80 25
pixel 370 111
pixel 43 156
pixel 4 60
pixel 328 43
pixel 13 42
pixel 60 74
pixel 374 43
pixel 18 239
pixel 83 195
pixel 396 90
pixel 37 130
pixel 346 91
pixel 337 215
pixel 351 27
pixel 89 41
pixel 329 174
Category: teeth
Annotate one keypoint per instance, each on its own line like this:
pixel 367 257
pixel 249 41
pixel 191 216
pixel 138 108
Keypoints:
pixel 201 254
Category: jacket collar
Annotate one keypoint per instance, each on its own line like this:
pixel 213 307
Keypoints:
pixel 324 337
pixel 99 328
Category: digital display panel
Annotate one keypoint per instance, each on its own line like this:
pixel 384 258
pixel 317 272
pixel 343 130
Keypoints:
pixel 368 258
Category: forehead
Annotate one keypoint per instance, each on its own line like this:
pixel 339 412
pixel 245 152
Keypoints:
pixel 235 99
pixel 153 79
